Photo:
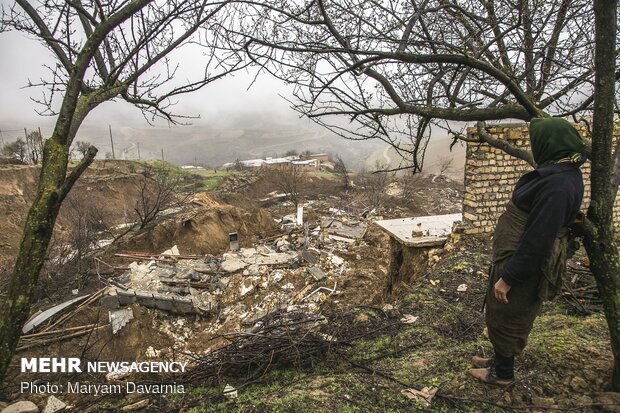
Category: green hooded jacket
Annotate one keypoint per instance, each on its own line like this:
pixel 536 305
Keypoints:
pixel 555 139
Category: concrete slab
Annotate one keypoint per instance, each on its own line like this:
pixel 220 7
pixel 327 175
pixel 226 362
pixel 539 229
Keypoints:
pixel 420 231
pixel 120 318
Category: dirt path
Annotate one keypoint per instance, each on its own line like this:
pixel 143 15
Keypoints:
pixel 387 158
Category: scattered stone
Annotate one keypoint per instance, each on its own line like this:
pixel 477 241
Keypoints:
pixel 336 260
pixel 544 402
pixel 172 251
pixel 609 401
pixel 254 270
pixel 21 407
pixel 247 252
pixel 54 405
pixel 188 275
pixel 288 287
pixel 120 318
pixel 230 392
pixel 233 264
pixel 578 384
pixel 409 319
pixel 136 406
pixel 115 376
pixel 311 255
pixel 361 318
pixel 317 273
pixel 277 276
pixel 277 258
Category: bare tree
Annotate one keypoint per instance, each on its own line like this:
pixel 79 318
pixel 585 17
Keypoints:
pixel 375 185
pixel 82 147
pixel 341 170
pixel 415 65
pixel 445 164
pixel 398 69
pixel 103 50
pixel 159 189
pixel 34 146
pixel 289 179
pixel 16 149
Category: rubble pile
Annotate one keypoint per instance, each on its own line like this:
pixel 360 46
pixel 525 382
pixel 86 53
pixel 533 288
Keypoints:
pixel 291 273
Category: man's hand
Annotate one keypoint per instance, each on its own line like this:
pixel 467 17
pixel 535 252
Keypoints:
pixel 501 291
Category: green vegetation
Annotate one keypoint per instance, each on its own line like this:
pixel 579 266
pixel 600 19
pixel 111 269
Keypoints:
pixel 211 179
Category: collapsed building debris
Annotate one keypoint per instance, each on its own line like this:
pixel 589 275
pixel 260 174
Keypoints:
pixel 412 241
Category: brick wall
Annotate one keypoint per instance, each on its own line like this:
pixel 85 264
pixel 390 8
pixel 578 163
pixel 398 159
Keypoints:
pixel 490 175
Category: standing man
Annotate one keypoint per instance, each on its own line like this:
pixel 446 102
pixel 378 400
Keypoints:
pixel 530 244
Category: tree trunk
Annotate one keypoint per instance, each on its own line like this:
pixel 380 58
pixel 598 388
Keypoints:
pixel 599 242
pixel 53 187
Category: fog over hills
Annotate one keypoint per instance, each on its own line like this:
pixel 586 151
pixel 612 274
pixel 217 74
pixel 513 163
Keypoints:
pixel 236 122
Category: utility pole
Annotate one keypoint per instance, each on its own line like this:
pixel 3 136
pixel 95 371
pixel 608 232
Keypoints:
pixel 162 154
pixel 138 150
pixel 112 142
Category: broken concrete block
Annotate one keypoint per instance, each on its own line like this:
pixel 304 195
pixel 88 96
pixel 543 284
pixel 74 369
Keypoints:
pixel 188 275
pixel 120 318
pixel 54 405
pixel 248 285
pixel 172 251
pixel 317 273
pixel 311 255
pixel 21 407
pixel 254 270
pixel 110 299
pixel 276 258
pixel 233 264
pixel 247 252
pixel 336 260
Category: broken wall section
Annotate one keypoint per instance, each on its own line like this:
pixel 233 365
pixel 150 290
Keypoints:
pixel 491 174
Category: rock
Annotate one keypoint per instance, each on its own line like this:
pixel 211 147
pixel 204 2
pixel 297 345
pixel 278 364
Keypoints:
pixel 54 405
pixel 545 402
pixel 247 252
pixel 233 264
pixel 311 255
pixel 3 405
pixel 136 406
pixel 188 275
pixel 277 276
pixel 609 401
pixel 21 407
pixel 276 258
pixel 120 318
pixel 317 273
pixel 578 384
pixel 254 270
pixel 336 260
pixel 361 318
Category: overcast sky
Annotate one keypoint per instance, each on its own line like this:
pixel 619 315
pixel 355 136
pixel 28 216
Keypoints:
pixel 24 58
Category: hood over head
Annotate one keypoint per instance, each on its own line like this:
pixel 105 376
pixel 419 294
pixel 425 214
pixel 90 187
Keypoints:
pixel 555 139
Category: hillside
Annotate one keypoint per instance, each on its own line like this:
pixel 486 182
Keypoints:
pixel 299 319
